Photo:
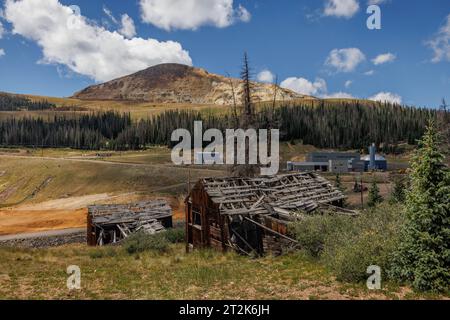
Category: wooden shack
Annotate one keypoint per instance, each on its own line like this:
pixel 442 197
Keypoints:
pixel 251 215
pixel 112 223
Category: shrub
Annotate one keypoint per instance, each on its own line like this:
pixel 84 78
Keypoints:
pixel 175 235
pixel 349 261
pixel 140 242
pixel 368 240
pixel 313 232
pixel 349 245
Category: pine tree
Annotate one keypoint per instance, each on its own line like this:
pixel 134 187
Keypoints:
pixel 374 195
pixel 338 183
pixel 398 194
pixel 423 255
pixel 341 188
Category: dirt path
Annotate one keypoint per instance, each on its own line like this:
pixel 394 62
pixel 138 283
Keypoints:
pixel 50 233
pixel 114 163
pixel 73 203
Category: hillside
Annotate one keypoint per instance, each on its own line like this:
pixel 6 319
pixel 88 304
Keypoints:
pixel 176 83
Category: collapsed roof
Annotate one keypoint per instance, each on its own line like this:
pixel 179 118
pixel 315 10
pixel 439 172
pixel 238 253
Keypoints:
pixel 281 194
pixel 112 223
pixel 253 214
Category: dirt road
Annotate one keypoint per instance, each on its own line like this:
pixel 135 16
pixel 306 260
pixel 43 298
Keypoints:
pixel 114 163
pixel 50 233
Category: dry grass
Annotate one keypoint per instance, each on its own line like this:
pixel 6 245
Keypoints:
pixel 138 110
pixel 110 273
pixel 143 110
pixel 34 179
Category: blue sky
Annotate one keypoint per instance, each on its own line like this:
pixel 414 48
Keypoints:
pixel 317 47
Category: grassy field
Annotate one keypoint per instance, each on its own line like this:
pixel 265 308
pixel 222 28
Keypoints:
pixel 138 110
pixel 48 189
pixel 27 178
pixel 38 175
pixel 144 110
pixel 41 274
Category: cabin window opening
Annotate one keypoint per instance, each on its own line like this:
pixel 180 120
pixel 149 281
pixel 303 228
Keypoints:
pixel 197 218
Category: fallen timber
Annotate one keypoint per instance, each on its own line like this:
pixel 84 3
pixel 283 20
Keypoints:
pixel 110 224
pixel 251 215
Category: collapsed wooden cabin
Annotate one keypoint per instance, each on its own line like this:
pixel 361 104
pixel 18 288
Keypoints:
pixel 251 215
pixel 112 223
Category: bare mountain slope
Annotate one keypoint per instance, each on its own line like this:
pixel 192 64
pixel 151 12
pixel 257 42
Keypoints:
pixel 176 83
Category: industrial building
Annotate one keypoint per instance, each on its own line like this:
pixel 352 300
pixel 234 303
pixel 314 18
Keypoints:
pixel 307 166
pixel 340 162
pixel 327 156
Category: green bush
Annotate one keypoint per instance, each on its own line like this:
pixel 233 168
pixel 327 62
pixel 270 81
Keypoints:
pixel 350 260
pixel 140 242
pixel 314 232
pixel 175 235
pixel 368 240
pixel 349 245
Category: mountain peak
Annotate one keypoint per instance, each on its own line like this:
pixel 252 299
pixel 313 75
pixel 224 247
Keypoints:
pixel 178 83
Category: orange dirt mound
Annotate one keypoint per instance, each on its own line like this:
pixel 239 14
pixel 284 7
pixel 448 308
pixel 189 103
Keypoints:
pixel 15 221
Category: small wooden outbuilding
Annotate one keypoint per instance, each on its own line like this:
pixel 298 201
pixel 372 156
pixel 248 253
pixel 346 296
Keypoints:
pixel 251 215
pixel 112 223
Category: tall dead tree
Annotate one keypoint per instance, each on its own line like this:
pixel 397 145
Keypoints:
pixel 247 118
pixel 247 121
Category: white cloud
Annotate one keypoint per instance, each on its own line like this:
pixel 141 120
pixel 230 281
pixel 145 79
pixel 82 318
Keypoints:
pixel 265 76
pixel 345 60
pixel 377 2
pixel 192 14
pixel 304 86
pixel 341 8
pixel 440 43
pixel 387 97
pixel 338 95
pixel 384 58
pixel 71 40
pixel 2 52
pixel 110 14
pixel 317 88
pixel 348 83
pixel 128 29
pixel 369 73
pixel 243 14
pixel 126 23
pixel 2 30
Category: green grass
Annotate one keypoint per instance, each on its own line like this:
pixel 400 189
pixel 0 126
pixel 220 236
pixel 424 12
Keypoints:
pixel 111 273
